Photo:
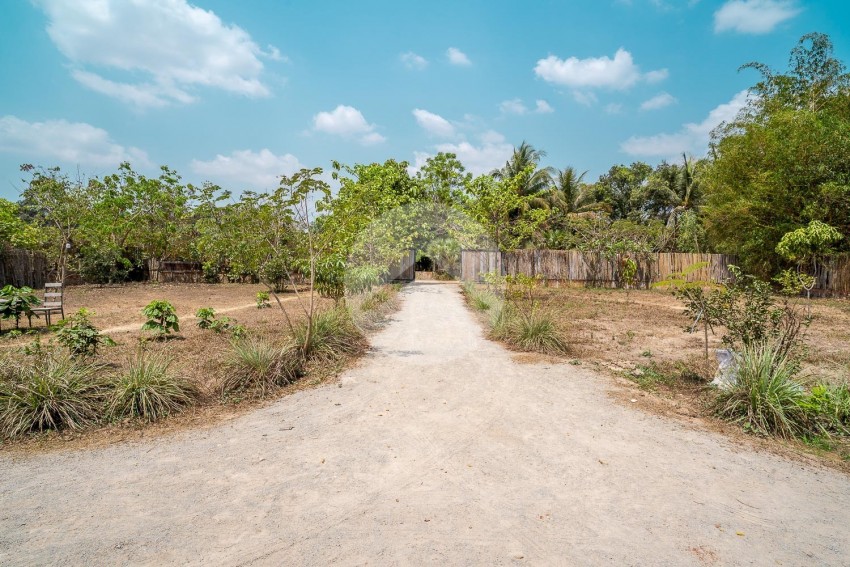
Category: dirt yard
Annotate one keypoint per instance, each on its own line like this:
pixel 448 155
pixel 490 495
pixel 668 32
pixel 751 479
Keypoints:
pixel 639 338
pixel 117 313
pixel 437 448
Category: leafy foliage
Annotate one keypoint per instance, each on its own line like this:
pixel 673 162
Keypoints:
pixel 79 335
pixel 16 302
pixel 263 300
pixel 162 318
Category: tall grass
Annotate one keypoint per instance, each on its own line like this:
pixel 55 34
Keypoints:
pixel 369 310
pixel 51 391
pixel 147 389
pixel 765 399
pixel 334 337
pixel 532 330
pixel 257 367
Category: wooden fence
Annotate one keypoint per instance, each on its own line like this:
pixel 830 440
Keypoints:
pixel 832 278
pixel 589 269
pixel 22 268
pixel 169 271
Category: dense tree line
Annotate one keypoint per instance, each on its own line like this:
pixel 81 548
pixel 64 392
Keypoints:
pixel 774 190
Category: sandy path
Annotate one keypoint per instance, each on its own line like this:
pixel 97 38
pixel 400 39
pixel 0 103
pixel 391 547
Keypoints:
pixel 437 448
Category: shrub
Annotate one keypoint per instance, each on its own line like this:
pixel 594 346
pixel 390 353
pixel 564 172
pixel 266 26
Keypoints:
pixel 206 316
pixel 207 320
pixel 765 399
pixel 334 336
pixel 16 302
pixel 147 389
pixel 53 391
pixel 257 366
pixel 162 318
pixel 263 300
pixel 828 407
pixel 79 335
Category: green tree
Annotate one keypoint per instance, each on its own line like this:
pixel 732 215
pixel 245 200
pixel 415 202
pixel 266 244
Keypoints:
pixel 526 158
pixel 785 161
pixel 14 230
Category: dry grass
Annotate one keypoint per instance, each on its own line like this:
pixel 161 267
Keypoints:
pixel 197 355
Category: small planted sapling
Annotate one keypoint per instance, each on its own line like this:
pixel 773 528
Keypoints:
pixel 79 335
pixel 206 317
pixel 263 300
pixel 162 318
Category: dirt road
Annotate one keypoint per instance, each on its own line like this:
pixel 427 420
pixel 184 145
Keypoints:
pixel 436 449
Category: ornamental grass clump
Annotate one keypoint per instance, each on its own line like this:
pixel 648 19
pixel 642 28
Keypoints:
pixel 765 399
pixel 333 337
pixel 147 389
pixel 257 367
pixel 532 331
pixel 51 391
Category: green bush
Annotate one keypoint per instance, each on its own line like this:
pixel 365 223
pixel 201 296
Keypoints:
pixel 207 320
pixel 53 391
pixel 257 367
pixel 263 300
pixel 79 335
pixel 828 407
pixel 765 399
pixel 147 389
pixel 162 318
pixel 206 316
pixel 16 302
pixel 334 336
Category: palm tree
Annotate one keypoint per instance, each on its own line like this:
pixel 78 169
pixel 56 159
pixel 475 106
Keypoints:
pixel 566 192
pixel 687 190
pixel 523 157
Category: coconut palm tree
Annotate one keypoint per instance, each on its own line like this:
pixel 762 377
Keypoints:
pixel 566 192
pixel 523 157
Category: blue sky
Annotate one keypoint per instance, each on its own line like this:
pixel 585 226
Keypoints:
pixel 239 92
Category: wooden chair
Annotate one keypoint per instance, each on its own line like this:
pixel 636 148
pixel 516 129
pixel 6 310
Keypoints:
pixel 53 301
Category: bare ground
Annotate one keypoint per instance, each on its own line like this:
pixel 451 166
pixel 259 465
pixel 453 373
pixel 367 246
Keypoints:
pixel 437 447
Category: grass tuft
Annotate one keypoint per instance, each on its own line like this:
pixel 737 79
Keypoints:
pixel 533 331
pixel 334 337
pixel 147 389
pixel 257 367
pixel 51 391
pixel 766 399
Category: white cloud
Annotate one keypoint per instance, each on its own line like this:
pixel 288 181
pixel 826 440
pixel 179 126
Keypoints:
pixel 543 107
pixel 692 138
pixel 491 153
pixel 457 57
pixel 656 76
pixel 753 16
pixel 587 98
pixel 434 123
pixel 413 61
pixel 173 46
pixel 513 106
pixel 257 170
pixel 518 107
pixel 348 122
pixel 614 108
pixel 618 73
pixel 75 143
pixel 658 101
